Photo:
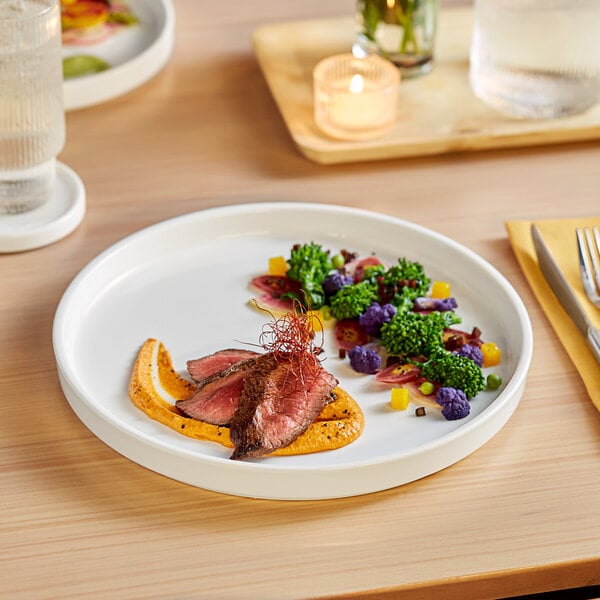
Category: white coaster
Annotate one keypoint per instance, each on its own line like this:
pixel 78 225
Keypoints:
pixel 50 222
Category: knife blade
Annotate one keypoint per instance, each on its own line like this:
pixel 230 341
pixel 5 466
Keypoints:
pixel 564 293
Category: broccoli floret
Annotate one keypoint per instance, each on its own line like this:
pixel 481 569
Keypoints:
pixel 454 403
pixel 309 265
pixel 407 278
pixel 351 301
pixel 415 334
pixel 372 273
pixel 364 360
pixel 375 316
pixel 456 371
pixel 404 300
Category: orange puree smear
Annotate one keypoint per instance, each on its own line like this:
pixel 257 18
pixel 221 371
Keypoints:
pixel 339 423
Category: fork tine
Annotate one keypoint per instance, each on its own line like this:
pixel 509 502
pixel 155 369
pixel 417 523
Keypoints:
pixel 587 258
pixel 594 250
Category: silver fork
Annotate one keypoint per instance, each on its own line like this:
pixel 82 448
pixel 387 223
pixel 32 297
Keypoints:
pixel 588 244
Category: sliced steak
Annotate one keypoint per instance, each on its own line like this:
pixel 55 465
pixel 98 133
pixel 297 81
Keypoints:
pixel 216 399
pixel 276 407
pixel 201 368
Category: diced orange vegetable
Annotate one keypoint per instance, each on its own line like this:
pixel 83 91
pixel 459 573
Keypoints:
pixel 440 289
pixel 399 399
pixel 277 265
pixel 491 354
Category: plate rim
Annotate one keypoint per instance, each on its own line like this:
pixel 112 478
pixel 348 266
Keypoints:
pixel 496 410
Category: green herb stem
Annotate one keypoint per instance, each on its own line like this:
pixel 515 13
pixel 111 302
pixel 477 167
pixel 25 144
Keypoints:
pixel 403 13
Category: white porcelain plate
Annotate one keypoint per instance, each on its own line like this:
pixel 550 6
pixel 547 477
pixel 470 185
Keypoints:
pixel 135 54
pixel 185 282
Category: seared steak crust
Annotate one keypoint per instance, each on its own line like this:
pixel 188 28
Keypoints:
pixel 217 397
pixel 201 368
pixel 266 402
pixel 276 406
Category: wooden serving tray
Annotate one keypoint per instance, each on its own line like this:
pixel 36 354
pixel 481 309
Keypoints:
pixel 438 113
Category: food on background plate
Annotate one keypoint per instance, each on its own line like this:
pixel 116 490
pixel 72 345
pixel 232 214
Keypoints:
pixel 90 22
pixel 280 401
pixel 390 321
pixel 86 22
pixel 83 64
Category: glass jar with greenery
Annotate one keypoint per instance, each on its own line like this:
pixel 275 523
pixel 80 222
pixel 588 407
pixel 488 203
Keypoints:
pixel 403 31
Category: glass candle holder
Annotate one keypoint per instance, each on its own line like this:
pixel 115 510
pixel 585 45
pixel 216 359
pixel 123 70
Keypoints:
pixel 355 98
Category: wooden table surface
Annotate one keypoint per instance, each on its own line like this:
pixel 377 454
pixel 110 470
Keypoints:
pixel 78 520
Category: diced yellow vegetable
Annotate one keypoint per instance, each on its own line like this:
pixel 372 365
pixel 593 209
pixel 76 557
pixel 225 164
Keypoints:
pixel 315 319
pixel 491 354
pixel 277 265
pixel 399 399
pixel 440 289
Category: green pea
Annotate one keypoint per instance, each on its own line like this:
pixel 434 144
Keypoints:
pixel 338 261
pixel 493 381
pixel 427 388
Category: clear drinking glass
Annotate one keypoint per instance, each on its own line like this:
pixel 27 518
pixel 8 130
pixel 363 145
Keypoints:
pixel 536 58
pixel 402 31
pixel 32 122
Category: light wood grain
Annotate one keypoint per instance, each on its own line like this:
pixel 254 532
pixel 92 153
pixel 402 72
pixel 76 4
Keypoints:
pixel 77 520
pixel 436 114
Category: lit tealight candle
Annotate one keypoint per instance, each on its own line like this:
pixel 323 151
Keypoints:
pixel 355 98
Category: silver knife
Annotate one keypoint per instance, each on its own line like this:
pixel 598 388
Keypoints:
pixel 564 293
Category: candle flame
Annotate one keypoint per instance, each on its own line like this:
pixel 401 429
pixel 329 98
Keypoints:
pixel 357 84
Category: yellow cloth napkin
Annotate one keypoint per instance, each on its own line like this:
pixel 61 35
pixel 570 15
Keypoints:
pixel 559 235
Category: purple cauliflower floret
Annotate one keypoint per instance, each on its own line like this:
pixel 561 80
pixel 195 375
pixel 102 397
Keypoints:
pixel 454 403
pixel 364 360
pixel 439 304
pixel 375 316
pixel 472 352
pixel 333 283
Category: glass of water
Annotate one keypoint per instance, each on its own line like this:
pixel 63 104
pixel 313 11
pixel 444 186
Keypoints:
pixel 536 58
pixel 32 121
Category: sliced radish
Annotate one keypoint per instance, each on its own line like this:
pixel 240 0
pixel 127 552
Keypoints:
pixel 418 397
pixel 276 284
pixel 359 266
pixel 348 334
pixel 399 373
pixel 275 306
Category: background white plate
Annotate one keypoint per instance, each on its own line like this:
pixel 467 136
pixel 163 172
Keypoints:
pixel 185 282
pixel 135 54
